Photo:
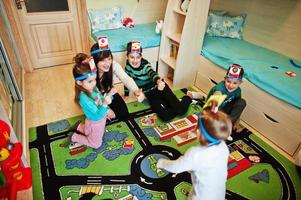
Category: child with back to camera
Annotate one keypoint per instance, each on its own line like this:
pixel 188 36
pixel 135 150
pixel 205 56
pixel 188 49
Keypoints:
pixel 233 105
pixel 207 162
pixel 162 100
pixel 93 104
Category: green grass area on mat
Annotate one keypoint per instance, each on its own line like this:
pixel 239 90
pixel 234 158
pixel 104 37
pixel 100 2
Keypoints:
pixel 241 184
pixel 36 176
pixel 108 192
pixel 182 190
pixel 121 164
pixel 289 166
pixel 32 134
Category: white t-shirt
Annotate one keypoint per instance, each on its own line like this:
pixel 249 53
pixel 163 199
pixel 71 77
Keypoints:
pixel 208 168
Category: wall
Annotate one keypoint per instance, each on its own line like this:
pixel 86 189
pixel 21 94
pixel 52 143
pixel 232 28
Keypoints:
pixel 274 24
pixel 142 11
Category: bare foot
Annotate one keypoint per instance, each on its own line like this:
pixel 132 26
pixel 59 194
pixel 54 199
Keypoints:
pixel 111 115
pixel 237 128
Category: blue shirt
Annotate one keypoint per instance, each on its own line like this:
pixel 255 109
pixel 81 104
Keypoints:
pixel 230 95
pixel 91 110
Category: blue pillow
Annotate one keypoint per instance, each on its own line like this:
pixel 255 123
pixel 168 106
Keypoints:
pixel 225 26
pixel 104 19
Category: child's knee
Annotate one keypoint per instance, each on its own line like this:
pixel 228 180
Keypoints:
pixel 242 103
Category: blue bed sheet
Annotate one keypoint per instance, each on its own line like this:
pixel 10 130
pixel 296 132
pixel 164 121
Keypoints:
pixel 264 68
pixel 118 38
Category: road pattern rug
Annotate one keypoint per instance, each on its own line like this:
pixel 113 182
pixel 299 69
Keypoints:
pixel 124 167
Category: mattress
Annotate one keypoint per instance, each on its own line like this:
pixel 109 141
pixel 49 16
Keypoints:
pixel 275 73
pixel 118 38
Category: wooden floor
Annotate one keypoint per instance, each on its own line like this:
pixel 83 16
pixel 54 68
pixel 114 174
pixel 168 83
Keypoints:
pixel 49 95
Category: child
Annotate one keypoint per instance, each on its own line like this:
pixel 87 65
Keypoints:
pixel 207 163
pixel 108 70
pixel 162 100
pixel 233 105
pixel 93 103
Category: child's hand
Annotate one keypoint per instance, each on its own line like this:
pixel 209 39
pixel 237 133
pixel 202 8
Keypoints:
pixel 110 114
pixel 160 163
pixel 161 84
pixel 189 93
pixel 98 101
pixel 141 97
pixel 107 100
pixel 137 92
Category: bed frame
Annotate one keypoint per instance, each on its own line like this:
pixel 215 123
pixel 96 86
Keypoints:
pixel 270 25
pixel 276 120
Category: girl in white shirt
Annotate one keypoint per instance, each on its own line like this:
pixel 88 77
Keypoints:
pixel 207 162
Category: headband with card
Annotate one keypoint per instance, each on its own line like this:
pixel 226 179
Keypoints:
pixel 103 45
pixel 234 72
pixel 135 47
pixel 93 70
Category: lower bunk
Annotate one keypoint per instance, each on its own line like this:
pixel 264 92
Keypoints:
pixel 276 120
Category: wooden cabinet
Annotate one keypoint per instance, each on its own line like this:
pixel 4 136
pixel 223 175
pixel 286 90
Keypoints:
pixel 181 40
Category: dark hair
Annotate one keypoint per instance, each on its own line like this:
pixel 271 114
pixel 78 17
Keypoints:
pixel 218 125
pixel 129 48
pixel 81 67
pixel 104 83
pixel 241 74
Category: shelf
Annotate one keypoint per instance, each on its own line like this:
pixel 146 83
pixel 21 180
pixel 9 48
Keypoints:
pixel 179 11
pixel 174 36
pixel 170 61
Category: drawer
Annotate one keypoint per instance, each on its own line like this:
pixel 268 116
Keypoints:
pixel 279 133
pixel 272 107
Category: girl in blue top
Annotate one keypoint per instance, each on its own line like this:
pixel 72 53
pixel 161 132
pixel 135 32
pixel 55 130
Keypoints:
pixel 94 105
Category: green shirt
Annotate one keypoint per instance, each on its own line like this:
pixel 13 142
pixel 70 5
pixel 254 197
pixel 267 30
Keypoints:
pixel 144 76
pixel 230 95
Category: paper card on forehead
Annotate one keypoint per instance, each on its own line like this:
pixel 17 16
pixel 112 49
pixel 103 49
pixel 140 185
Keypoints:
pixel 92 64
pixel 103 43
pixel 136 46
pixel 219 98
pixel 234 71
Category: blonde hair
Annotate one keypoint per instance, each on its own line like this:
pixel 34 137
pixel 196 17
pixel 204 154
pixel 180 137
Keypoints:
pixel 218 125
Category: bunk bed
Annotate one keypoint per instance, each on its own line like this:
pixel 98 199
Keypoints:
pixel 271 86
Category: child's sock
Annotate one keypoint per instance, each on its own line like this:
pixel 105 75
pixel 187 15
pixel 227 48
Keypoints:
pixel 195 95
pixel 230 138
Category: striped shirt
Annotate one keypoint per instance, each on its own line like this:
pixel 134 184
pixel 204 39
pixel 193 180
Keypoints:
pixel 144 76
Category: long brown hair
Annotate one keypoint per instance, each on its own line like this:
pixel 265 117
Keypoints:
pixel 218 125
pixel 104 83
pixel 81 67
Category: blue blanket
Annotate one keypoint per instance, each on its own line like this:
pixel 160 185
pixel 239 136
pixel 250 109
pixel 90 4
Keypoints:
pixel 264 68
pixel 118 38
